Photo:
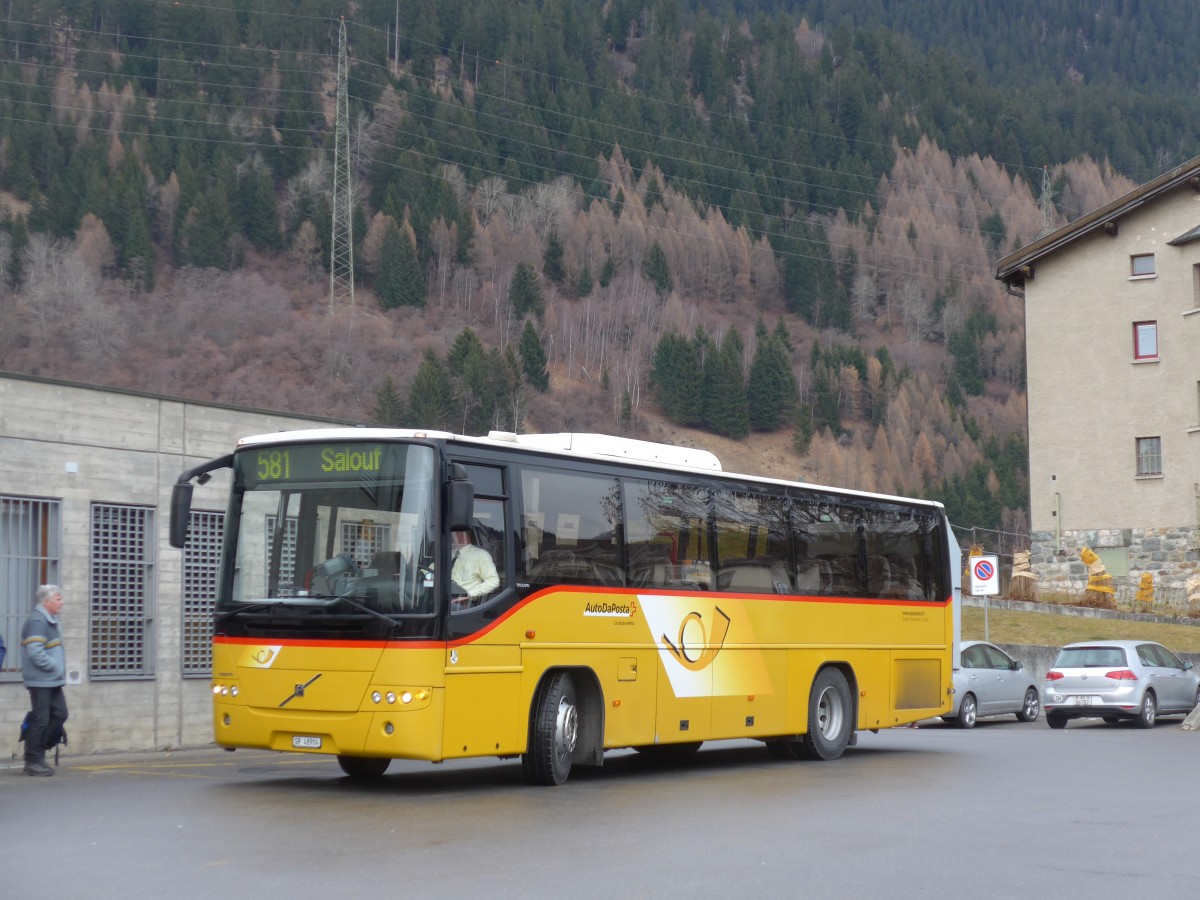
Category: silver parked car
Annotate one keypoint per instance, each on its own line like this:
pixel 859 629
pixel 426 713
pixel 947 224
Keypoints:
pixel 989 682
pixel 1116 680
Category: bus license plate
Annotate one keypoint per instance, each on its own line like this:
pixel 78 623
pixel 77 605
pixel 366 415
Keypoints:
pixel 303 742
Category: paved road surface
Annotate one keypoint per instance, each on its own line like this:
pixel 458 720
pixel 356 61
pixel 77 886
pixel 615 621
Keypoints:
pixel 1003 810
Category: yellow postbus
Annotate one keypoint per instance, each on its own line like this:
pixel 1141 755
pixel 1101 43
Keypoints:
pixel 616 594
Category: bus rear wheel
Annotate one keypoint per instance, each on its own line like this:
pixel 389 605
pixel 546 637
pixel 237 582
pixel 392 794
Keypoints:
pixel 553 732
pixel 363 766
pixel 830 717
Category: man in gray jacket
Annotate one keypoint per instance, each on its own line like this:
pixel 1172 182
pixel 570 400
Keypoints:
pixel 44 668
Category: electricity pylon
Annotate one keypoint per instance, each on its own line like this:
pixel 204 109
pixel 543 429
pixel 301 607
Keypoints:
pixel 341 242
pixel 1046 204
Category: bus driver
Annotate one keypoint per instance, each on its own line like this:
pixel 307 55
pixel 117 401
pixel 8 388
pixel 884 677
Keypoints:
pixel 472 569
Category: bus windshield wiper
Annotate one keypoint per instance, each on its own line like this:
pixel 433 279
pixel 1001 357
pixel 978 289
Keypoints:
pixel 392 623
pixel 248 608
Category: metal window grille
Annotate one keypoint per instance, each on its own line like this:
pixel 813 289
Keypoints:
pixel 1149 456
pixel 287 559
pixel 201 561
pixel 362 541
pixel 30 542
pixel 120 627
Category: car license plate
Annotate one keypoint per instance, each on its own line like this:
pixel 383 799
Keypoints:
pixel 304 742
pixel 1085 701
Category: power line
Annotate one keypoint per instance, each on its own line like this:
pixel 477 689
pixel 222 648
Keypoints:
pixel 438 159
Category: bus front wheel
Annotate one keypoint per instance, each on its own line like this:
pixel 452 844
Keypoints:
pixel 363 766
pixel 553 732
pixel 830 717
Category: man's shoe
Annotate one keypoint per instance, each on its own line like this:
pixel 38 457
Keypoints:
pixel 37 768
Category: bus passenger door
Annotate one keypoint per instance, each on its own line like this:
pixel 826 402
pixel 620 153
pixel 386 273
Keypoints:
pixel 483 673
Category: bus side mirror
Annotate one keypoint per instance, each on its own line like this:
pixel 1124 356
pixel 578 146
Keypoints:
pixel 181 512
pixel 460 500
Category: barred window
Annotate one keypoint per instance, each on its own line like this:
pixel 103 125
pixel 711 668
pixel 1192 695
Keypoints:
pixel 1149 456
pixel 120 627
pixel 362 540
pixel 201 559
pixel 287 554
pixel 30 542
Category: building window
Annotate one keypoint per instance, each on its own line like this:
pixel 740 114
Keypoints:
pixel 362 540
pixel 30 538
pixel 1141 265
pixel 1145 340
pixel 201 561
pixel 287 555
pixel 1149 456
pixel 120 627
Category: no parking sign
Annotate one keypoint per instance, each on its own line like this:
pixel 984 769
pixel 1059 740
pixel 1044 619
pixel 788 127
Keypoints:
pixel 985 576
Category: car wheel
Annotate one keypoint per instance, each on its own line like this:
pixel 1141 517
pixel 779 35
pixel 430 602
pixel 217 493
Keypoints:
pixel 1148 713
pixel 1032 707
pixel 1056 720
pixel 968 712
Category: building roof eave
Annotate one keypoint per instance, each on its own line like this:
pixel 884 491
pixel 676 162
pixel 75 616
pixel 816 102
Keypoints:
pixel 1017 267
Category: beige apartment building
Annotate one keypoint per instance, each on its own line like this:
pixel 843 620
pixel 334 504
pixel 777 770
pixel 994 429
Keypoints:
pixel 85 486
pixel 1112 332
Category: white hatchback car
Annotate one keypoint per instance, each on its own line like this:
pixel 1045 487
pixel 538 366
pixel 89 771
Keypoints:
pixel 1116 680
pixel 989 682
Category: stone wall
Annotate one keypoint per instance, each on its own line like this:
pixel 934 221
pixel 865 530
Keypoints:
pixel 1170 554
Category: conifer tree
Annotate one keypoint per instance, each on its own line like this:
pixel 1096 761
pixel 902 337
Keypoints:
pixel 431 395
pixel 533 358
pixel 207 230
pixel 401 281
pixel 525 292
pixel 260 211
pixel 657 272
pixel 14 266
pixel 771 391
pixel 389 408
pixel 139 252
pixel 726 411
pixel 583 283
pixel 466 345
pixel 676 374
pixel 552 259
pixel 608 272
pixel 626 416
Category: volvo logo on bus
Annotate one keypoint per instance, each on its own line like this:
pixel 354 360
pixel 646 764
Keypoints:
pixel 299 691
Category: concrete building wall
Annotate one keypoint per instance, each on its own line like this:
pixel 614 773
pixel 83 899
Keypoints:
pixel 1090 399
pixel 81 445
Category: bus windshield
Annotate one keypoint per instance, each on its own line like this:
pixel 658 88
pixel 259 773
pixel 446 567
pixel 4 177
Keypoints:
pixel 344 528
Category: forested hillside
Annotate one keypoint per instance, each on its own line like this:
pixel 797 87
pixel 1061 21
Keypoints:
pixel 743 225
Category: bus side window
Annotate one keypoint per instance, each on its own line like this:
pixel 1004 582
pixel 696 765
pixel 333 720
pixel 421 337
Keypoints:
pixel 571 528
